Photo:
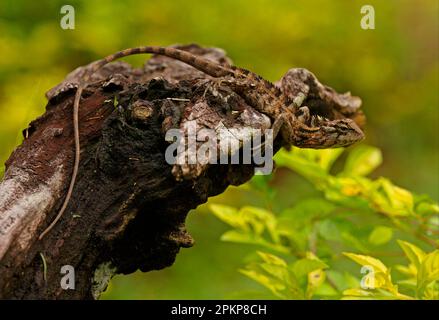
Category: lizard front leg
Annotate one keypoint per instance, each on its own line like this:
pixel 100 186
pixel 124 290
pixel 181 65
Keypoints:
pixel 278 123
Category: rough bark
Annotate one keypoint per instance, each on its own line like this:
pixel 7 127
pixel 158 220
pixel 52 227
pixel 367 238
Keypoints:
pixel 128 210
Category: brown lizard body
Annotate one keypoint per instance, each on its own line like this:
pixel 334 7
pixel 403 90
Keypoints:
pixel 294 123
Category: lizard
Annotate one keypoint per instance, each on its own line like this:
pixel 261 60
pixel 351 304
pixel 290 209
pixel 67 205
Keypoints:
pixel 292 121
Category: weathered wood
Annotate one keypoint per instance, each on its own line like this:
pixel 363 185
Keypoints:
pixel 127 211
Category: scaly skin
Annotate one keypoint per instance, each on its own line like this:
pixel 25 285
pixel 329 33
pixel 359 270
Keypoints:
pixel 259 93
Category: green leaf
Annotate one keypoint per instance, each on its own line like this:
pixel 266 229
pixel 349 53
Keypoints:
pixel 328 230
pixel 305 266
pixel 276 287
pixel 389 199
pixel 379 294
pixel 410 270
pixel 367 261
pixel 399 198
pixel 326 291
pixel 228 215
pixel 259 213
pixel 413 253
pixel 427 208
pixel 379 277
pixel 308 209
pixel 380 235
pixel 279 272
pixel 274 275
pixel 328 156
pixel 315 280
pixel 240 237
pixel 295 239
pixel 302 162
pixel 357 292
pixel 362 160
pixel 351 280
pixel 260 182
pixel 342 280
pixel 256 222
pixel 272 259
pixel 431 291
pixel 260 220
pixel 429 270
pixel 353 241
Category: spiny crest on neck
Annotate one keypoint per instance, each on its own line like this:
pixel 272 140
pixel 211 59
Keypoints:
pixel 260 82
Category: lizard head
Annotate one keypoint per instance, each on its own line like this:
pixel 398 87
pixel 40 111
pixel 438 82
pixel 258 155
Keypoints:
pixel 315 131
pixel 322 117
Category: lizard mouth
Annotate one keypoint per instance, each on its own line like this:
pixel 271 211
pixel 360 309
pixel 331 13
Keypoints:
pixel 313 117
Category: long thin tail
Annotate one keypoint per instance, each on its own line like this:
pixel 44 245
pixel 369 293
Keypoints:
pixel 209 67
pixel 75 165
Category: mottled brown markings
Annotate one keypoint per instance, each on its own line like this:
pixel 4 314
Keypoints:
pixel 267 84
pixel 308 129
pixel 192 59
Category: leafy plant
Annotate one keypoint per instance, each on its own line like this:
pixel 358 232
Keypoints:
pixel 306 245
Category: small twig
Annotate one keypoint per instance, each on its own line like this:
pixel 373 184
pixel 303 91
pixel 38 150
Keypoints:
pixel 44 267
pixel 331 282
pixel 94 118
pixel 312 240
pixel 179 99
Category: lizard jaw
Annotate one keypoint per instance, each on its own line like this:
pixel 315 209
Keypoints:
pixel 324 133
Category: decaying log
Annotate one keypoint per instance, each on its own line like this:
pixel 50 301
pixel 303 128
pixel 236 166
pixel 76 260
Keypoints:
pixel 128 210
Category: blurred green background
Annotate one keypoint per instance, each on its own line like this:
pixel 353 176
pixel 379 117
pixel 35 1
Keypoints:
pixel 393 68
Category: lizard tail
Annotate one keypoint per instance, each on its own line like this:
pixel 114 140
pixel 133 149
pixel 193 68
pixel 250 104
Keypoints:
pixel 76 164
pixel 207 66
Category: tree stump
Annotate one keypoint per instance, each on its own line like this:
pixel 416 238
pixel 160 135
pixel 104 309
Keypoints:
pixel 128 210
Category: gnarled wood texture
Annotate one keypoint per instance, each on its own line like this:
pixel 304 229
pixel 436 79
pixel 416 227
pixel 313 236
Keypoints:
pixel 128 210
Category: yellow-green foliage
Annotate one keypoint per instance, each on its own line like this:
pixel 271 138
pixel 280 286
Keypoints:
pixel 305 242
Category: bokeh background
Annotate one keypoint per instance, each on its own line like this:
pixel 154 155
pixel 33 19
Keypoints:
pixel 393 68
